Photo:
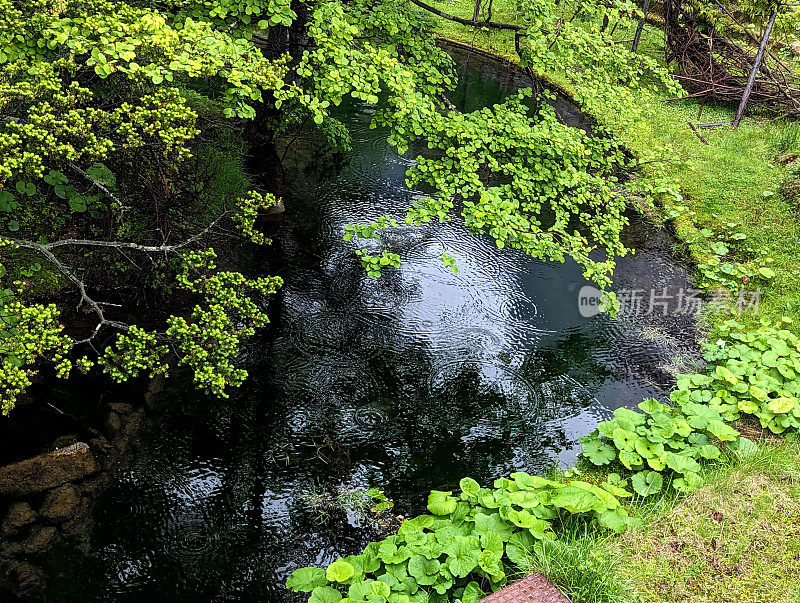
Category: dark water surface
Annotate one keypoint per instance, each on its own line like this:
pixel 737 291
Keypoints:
pixel 407 383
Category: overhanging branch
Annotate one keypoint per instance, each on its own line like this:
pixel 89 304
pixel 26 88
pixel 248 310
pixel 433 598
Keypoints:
pixel 46 251
pixel 469 22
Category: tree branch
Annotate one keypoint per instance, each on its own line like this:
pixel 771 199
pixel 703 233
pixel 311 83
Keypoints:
pixel 100 186
pixel 45 250
pixel 471 23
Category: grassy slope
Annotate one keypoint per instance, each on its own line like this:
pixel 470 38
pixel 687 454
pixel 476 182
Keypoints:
pixel 722 182
pixel 735 539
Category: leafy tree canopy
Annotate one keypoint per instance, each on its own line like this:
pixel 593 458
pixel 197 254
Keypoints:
pixel 111 113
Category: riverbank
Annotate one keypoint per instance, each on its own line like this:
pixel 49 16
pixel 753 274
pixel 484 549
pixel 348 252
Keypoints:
pixel 731 197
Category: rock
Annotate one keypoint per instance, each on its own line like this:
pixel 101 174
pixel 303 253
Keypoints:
pixel 786 159
pixel 10 548
pixel 20 515
pixel 795 46
pixel 113 422
pixel 47 470
pixel 64 441
pixel 132 425
pixel 154 389
pixel 121 408
pixel 60 504
pixel 79 528
pixel 40 541
pixel 25 579
pixel 275 213
pixel 95 485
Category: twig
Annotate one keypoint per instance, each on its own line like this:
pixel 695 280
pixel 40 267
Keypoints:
pixel 752 78
pixel 100 186
pixel 697 133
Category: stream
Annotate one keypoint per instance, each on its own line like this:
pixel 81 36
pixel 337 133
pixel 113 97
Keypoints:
pixel 404 383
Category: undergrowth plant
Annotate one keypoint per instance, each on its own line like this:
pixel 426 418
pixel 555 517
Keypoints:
pixel 752 373
pixel 748 373
pixel 463 547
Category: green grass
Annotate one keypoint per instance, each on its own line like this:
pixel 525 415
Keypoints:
pixel 583 566
pixel 734 539
pixel 733 179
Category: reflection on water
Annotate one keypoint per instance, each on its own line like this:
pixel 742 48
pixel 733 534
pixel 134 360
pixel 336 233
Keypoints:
pixel 407 383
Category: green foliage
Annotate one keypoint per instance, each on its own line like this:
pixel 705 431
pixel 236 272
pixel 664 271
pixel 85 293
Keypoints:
pixel 728 260
pixel 28 334
pixel 249 206
pixel 466 543
pixel 599 73
pixel 662 439
pixel 749 373
pixel 753 372
pixel 541 168
pixel 209 339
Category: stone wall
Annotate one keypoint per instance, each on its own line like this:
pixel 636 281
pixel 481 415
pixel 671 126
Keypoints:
pixel 47 500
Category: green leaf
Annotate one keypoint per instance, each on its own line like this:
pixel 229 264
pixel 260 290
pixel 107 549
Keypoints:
pixel 469 486
pixel 598 452
pixel 462 555
pixel 472 593
pixel 647 483
pixel 758 393
pixel 325 594
pixel 614 519
pixel 624 440
pixel 519 547
pixel 306 579
pixel 689 482
pixel 339 571
pixel 441 503
pixel 781 405
pixel 490 562
pixel 651 405
pixel 486 523
pixel 648 449
pixel 492 542
pixel 575 500
pixel 727 375
pixel 770 358
pixel 78 204
pixel 631 460
pixel 423 570
pixel 709 451
pixel 722 431
pixel 681 463
pixel 525 519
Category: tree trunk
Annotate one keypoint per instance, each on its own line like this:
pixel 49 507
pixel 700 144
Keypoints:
pixel 640 27
pixel 756 66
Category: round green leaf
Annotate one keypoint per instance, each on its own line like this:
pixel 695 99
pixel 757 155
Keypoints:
pixel 339 571
pixel 306 579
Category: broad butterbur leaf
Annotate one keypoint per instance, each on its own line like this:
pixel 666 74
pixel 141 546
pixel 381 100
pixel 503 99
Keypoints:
pixel 306 579
pixel 647 483
pixel 339 571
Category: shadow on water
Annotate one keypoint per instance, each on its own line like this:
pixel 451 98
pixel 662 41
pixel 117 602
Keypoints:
pixel 408 382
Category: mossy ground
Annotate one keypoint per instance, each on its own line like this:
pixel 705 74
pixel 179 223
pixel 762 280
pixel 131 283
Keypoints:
pixel 738 537
pixel 734 539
